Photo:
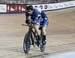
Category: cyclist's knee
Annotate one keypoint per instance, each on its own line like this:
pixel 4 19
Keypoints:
pixel 44 33
pixel 44 30
pixel 37 29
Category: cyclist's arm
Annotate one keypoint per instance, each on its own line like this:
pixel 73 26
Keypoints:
pixel 36 14
pixel 44 16
pixel 28 17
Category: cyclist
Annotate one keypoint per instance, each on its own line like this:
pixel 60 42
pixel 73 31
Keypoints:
pixel 39 19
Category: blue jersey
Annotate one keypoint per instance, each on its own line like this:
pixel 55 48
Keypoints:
pixel 44 16
pixel 36 14
pixel 37 17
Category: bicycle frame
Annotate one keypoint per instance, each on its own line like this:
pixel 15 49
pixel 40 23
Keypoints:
pixel 33 34
pixel 30 39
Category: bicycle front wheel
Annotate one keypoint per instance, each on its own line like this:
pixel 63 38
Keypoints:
pixel 26 43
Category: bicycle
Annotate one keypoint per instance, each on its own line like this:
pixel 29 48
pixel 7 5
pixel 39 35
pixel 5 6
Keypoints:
pixel 30 39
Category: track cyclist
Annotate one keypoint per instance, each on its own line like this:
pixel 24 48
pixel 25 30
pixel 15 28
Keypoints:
pixel 39 19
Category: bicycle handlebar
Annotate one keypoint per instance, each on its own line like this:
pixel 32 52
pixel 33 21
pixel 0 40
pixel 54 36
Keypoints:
pixel 24 25
pixel 27 25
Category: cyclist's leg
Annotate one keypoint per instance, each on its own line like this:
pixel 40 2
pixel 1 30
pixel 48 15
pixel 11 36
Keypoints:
pixel 44 27
pixel 38 33
pixel 36 25
pixel 44 35
pixel 44 32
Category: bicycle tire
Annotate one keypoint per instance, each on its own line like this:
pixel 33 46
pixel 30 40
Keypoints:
pixel 26 43
pixel 42 46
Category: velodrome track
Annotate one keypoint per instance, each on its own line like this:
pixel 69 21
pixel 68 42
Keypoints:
pixel 60 35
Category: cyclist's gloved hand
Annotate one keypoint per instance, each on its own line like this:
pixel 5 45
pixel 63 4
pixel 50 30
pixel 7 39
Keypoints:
pixel 27 21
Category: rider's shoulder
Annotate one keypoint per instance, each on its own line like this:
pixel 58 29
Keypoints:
pixel 37 10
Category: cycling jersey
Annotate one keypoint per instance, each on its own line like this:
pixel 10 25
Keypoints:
pixel 38 17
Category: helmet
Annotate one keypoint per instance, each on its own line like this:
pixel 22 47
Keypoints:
pixel 29 7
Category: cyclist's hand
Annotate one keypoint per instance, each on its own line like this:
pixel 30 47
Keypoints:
pixel 27 22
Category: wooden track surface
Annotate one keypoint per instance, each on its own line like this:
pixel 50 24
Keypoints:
pixel 60 34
